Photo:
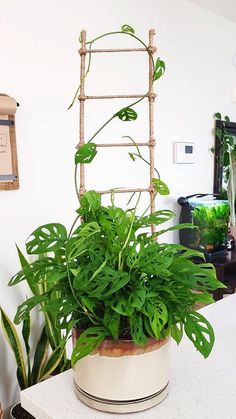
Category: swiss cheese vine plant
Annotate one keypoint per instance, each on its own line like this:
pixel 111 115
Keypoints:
pixel 109 276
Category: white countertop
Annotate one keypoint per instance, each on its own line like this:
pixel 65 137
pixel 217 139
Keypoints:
pixel 199 388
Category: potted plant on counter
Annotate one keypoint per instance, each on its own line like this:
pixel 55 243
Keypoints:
pixel 31 368
pixel 225 149
pixel 123 293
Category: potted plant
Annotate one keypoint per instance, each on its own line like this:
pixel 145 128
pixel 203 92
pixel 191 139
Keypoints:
pixel 29 373
pixel 226 148
pixel 123 293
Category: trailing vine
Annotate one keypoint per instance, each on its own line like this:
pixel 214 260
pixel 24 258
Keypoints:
pixel 87 152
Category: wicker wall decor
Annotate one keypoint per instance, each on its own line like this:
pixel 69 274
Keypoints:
pixel 82 97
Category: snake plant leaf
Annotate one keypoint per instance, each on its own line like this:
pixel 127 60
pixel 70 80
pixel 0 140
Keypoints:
pixel 53 361
pixel 111 321
pixel 200 332
pixel 127 28
pixel 87 342
pixel 127 114
pixel 40 356
pixel 86 153
pixel 136 328
pixel 24 308
pixel 46 238
pixel 11 335
pixel 177 332
pixel 26 334
pixel 159 69
pixel 160 186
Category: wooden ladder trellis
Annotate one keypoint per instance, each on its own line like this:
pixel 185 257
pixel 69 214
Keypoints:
pixel 151 99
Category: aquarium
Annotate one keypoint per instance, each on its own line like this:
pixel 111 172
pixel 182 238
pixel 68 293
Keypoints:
pixel 211 217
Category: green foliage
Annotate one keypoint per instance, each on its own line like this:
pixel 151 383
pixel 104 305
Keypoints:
pixel 127 114
pixel 159 69
pixel 118 281
pixel 212 223
pixel 86 153
pixel 127 28
pixel 42 366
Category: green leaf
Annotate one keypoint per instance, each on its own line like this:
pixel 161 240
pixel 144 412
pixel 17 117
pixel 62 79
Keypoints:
pixel 111 321
pixel 90 203
pixel 218 133
pixel 177 332
pixel 14 342
pixel 40 356
pixel 137 297
pixel 79 242
pixel 158 316
pixel 46 238
pixel 217 115
pixel 127 114
pixel 120 304
pixel 132 156
pixel 159 69
pixel 176 227
pixel 227 118
pixel 24 308
pixel 200 332
pixel 160 187
pixel 53 361
pixel 127 28
pixel 89 340
pixel 157 218
pixel 106 282
pixel 86 153
pixel 136 328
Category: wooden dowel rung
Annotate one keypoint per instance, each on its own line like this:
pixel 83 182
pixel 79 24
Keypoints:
pixel 84 97
pixel 116 50
pixel 123 145
pixel 123 190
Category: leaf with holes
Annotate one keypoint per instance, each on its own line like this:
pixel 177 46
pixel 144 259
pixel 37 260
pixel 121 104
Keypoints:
pixel 80 241
pixel 89 340
pixel 200 332
pixel 111 321
pixel 136 328
pixel 177 332
pixel 46 238
pixel 160 187
pixel 127 28
pixel 86 153
pixel 158 316
pixel 159 69
pixel 127 114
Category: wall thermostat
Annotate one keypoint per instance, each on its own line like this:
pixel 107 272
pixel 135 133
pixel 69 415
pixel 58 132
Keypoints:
pixel 184 152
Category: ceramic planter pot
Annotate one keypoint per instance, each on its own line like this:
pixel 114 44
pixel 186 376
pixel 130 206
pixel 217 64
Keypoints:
pixel 121 377
pixel 17 412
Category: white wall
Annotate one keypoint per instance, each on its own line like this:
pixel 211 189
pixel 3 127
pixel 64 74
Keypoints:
pixel 39 66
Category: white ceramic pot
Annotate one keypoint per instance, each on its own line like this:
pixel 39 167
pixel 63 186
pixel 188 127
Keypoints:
pixel 121 377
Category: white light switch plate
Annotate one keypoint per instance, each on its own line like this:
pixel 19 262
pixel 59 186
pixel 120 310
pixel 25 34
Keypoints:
pixel 184 152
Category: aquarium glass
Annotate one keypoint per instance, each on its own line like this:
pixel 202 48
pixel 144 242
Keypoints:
pixel 212 219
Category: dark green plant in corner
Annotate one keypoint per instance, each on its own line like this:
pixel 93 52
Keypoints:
pixel 110 277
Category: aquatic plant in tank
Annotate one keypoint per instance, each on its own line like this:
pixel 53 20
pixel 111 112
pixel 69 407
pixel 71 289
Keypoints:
pixel 211 219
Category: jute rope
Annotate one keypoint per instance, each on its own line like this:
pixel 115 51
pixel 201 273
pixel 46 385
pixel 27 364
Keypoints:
pixel 151 99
